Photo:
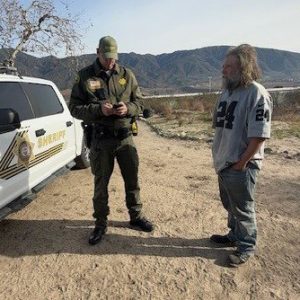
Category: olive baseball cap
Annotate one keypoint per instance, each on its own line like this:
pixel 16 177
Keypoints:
pixel 108 47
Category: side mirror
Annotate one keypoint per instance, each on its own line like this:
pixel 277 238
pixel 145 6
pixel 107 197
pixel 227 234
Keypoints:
pixel 9 120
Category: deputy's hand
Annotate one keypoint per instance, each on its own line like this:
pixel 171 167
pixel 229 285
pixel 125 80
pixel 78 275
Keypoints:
pixel 121 110
pixel 107 108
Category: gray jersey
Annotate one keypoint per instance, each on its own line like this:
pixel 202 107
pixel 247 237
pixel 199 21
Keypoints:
pixel 239 116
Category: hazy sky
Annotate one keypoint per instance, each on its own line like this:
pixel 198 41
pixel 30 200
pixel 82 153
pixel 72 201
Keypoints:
pixel 164 26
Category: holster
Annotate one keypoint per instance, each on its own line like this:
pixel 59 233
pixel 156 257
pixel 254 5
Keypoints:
pixel 87 133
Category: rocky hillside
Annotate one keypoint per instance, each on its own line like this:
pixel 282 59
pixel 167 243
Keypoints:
pixel 184 71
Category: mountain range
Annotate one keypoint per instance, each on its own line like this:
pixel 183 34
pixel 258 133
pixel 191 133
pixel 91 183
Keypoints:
pixel 180 71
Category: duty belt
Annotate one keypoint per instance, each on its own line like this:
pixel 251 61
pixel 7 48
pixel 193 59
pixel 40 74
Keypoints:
pixel 103 132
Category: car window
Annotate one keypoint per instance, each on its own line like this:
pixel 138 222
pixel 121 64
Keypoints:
pixel 43 99
pixel 12 96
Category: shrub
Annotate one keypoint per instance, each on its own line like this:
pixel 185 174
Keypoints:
pixel 286 106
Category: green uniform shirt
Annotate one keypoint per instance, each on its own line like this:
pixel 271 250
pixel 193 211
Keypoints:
pixel 93 85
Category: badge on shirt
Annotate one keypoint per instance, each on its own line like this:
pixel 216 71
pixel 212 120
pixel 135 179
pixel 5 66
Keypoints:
pixel 122 81
pixel 93 84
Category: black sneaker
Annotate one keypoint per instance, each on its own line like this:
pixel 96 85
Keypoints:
pixel 236 259
pixel 142 224
pixel 222 240
pixel 97 234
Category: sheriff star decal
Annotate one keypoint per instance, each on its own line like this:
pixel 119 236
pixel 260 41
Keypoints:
pixel 24 150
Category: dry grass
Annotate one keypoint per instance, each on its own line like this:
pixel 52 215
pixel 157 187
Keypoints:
pixel 286 115
pixel 170 106
pixel 193 114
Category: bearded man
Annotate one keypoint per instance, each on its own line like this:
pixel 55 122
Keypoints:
pixel 242 122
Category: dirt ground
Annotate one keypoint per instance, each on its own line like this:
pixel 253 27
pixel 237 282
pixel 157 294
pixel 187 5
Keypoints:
pixel 44 252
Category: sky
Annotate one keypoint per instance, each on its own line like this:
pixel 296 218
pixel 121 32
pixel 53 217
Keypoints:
pixel 165 26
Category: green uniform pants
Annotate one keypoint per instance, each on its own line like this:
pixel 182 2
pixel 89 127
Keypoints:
pixel 102 156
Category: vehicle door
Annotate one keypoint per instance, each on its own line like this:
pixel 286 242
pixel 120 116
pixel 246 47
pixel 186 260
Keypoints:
pixel 43 143
pixel 16 147
pixel 52 130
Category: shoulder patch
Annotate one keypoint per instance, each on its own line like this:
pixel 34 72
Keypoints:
pixel 77 78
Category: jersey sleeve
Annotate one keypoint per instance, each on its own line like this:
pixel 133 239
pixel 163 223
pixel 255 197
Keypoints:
pixel 259 117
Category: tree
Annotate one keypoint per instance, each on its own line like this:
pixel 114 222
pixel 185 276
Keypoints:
pixel 38 28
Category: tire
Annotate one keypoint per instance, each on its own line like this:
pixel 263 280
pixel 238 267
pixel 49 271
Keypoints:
pixel 83 160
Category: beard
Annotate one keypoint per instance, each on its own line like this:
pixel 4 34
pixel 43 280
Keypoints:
pixel 232 82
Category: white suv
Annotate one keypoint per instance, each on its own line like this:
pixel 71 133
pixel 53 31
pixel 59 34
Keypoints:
pixel 38 138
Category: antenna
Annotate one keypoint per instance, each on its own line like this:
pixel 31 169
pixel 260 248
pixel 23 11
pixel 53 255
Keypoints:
pixel 209 83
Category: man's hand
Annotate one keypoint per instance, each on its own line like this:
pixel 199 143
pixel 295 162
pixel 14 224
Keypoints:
pixel 107 109
pixel 121 109
pixel 239 166
pixel 252 148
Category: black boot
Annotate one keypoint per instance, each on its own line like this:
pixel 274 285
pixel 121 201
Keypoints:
pixel 222 240
pixel 142 224
pixel 97 234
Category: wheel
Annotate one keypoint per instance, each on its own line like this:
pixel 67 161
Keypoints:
pixel 83 160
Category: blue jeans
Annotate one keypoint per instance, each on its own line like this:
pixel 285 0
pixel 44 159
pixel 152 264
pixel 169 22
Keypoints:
pixel 237 195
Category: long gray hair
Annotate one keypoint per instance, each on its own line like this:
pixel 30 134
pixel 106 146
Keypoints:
pixel 247 58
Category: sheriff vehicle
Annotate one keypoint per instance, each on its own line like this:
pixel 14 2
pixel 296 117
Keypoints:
pixel 39 139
